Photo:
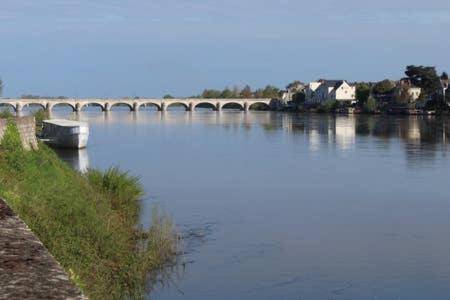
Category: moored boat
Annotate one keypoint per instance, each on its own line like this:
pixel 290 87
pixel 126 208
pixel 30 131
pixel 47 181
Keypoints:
pixel 65 133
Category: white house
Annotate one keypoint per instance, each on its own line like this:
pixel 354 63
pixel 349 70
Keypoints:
pixel 405 85
pixel 318 92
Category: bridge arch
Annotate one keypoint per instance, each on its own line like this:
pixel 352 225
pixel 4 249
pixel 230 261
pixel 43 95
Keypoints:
pixel 84 105
pixel 143 105
pixel 7 106
pixel 258 106
pixel 205 105
pixel 30 105
pixel 232 105
pixel 175 104
pixel 119 104
pixel 61 104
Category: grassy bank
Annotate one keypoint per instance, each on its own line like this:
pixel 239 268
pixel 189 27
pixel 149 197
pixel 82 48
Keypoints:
pixel 88 222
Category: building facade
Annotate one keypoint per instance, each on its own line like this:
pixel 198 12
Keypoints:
pixel 318 92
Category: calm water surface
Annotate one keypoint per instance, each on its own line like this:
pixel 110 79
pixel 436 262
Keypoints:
pixel 287 206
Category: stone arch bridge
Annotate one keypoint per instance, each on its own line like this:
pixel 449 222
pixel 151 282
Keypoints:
pixel 135 104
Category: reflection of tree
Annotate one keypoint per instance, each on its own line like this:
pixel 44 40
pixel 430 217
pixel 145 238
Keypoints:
pixel 421 136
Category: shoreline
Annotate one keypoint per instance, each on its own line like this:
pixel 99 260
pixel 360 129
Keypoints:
pixel 88 222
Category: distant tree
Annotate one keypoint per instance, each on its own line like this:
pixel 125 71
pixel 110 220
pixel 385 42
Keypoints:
pixel 168 96
pixel 211 94
pixel 30 96
pixel 425 78
pixel 246 92
pixel 444 76
pixel 383 87
pixel 258 93
pixel 270 91
pixel 362 92
pixel 236 92
pixel 370 105
pixel 226 93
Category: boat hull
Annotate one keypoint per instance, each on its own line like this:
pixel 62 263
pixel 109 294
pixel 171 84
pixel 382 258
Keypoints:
pixel 65 134
pixel 75 141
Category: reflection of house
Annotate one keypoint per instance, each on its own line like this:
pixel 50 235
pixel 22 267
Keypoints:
pixel 345 132
pixel 318 92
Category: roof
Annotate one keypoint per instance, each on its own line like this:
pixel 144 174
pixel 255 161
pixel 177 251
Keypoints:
pixel 65 123
pixel 332 83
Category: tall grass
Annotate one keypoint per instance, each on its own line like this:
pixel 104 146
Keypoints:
pixel 6 114
pixel 88 222
pixel 39 116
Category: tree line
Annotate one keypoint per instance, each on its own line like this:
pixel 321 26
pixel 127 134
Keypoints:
pixel 269 91
pixel 369 95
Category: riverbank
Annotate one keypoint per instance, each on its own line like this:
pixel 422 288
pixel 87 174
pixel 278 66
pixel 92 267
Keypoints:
pixel 89 223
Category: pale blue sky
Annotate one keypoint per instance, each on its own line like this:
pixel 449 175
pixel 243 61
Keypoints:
pixel 112 48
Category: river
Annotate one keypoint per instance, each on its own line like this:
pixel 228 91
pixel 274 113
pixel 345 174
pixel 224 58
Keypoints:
pixel 290 206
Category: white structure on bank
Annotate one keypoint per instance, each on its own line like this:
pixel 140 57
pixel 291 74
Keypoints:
pixel 292 89
pixel 413 92
pixel 318 92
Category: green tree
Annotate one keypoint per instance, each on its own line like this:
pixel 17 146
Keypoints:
pixel 362 92
pixel 246 92
pixel 236 92
pixel 425 78
pixel 370 105
pixel 168 96
pixel 211 94
pixel 226 93
pixel 383 87
pixel 258 93
pixel 270 91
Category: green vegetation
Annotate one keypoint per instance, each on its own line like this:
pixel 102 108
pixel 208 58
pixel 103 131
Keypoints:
pixel 383 87
pixel 371 105
pixel 269 91
pixel 328 107
pixel 5 114
pixel 88 222
pixel 39 116
pixel 424 77
pixel 362 92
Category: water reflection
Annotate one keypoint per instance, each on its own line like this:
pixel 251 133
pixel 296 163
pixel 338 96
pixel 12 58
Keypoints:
pixel 421 136
pixel 78 159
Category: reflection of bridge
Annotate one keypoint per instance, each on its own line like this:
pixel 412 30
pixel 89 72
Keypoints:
pixel 134 104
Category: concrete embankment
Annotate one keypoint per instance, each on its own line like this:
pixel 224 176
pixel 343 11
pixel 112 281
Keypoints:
pixel 27 270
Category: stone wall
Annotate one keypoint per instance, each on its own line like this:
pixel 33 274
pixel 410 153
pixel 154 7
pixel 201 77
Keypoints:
pixel 27 269
pixel 27 130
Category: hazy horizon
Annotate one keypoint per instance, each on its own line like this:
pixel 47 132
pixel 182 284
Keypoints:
pixel 81 48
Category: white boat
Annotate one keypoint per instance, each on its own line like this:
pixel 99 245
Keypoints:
pixel 65 133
